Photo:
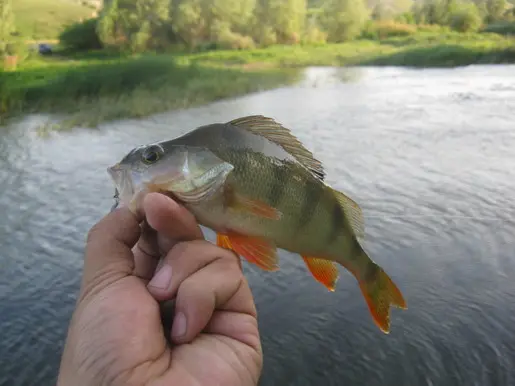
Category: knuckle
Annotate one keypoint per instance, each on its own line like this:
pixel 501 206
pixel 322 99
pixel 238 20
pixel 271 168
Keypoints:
pixel 193 286
pixel 198 253
pixel 179 249
pixel 195 247
pixel 226 271
pixel 229 255
pixel 95 232
pixel 229 266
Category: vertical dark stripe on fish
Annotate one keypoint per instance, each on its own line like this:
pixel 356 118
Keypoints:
pixel 278 185
pixel 355 250
pixel 312 194
pixel 337 222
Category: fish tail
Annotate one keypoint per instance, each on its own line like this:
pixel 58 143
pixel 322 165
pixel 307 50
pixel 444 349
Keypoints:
pixel 378 289
pixel 380 293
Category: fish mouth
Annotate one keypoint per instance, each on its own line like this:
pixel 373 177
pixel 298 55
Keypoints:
pixel 122 179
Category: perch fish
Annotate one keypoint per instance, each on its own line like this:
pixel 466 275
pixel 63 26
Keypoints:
pixel 253 183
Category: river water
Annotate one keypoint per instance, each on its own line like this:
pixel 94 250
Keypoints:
pixel 430 156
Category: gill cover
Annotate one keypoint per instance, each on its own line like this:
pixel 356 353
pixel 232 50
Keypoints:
pixel 192 174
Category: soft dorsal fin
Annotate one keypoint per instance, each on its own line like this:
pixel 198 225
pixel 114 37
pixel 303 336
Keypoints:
pixel 353 213
pixel 275 132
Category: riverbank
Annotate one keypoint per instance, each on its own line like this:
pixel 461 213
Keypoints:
pixel 91 91
pixel 419 50
pixel 95 87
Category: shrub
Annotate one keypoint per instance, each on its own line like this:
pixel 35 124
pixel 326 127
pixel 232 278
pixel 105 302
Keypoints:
pixel 81 36
pixel 387 29
pixel 406 18
pixel 434 28
pixel 314 35
pixel 233 40
pixel 224 38
pixel 267 36
pixel 501 28
pixel 466 18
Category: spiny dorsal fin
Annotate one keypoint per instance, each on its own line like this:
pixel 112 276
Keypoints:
pixel 353 212
pixel 275 132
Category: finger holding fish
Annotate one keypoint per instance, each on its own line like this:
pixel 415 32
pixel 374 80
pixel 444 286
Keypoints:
pixel 166 224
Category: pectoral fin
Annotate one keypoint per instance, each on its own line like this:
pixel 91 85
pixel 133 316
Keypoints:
pixel 239 202
pixel 324 271
pixel 255 250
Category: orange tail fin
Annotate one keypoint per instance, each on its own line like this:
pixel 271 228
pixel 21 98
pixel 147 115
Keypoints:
pixel 380 293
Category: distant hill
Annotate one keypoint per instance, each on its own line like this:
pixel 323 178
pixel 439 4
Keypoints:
pixel 44 19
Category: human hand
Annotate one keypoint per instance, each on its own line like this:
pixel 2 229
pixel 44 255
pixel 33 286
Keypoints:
pixel 116 335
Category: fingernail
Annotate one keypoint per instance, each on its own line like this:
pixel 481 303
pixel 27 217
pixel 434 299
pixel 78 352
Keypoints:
pixel 179 325
pixel 162 278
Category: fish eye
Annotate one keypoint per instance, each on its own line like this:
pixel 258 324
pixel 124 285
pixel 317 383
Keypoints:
pixel 151 154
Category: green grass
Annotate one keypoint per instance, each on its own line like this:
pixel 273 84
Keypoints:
pixel 99 86
pixel 93 91
pixel 420 50
pixel 503 28
pixel 43 19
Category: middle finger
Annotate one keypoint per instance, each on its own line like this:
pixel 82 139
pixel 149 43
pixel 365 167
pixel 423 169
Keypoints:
pixel 185 259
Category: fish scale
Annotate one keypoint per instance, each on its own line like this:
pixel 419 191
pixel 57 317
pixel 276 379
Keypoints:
pixel 304 225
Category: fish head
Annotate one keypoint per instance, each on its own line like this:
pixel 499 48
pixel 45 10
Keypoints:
pixel 188 173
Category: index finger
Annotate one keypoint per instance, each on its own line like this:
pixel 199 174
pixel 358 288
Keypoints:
pixel 167 223
pixel 160 210
pixel 109 243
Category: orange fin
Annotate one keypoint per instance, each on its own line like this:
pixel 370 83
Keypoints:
pixel 259 208
pixel 380 293
pixel 324 271
pixel 255 250
pixel 223 241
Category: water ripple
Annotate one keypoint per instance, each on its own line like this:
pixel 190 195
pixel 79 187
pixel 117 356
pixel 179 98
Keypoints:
pixel 427 153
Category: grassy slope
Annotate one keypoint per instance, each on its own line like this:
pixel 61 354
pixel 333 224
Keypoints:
pixel 420 50
pixel 43 19
pixel 97 90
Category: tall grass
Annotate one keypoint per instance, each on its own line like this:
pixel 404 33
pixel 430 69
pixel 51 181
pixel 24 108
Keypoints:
pixel 95 91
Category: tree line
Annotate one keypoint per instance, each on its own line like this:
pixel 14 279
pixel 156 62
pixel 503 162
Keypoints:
pixel 153 24
pixel 142 25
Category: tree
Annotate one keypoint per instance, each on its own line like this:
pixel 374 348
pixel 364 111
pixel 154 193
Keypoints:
pixel 380 12
pixel 435 11
pixel 466 18
pixel 6 24
pixel 135 25
pixel 212 21
pixel 280 21
pixel 187 21
pixel 388 9
pixel 495 10
pixel 492 10
pixel 344 19
pixel 80 36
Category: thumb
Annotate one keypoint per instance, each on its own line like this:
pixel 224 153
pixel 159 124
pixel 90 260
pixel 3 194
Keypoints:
pixel 108 256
